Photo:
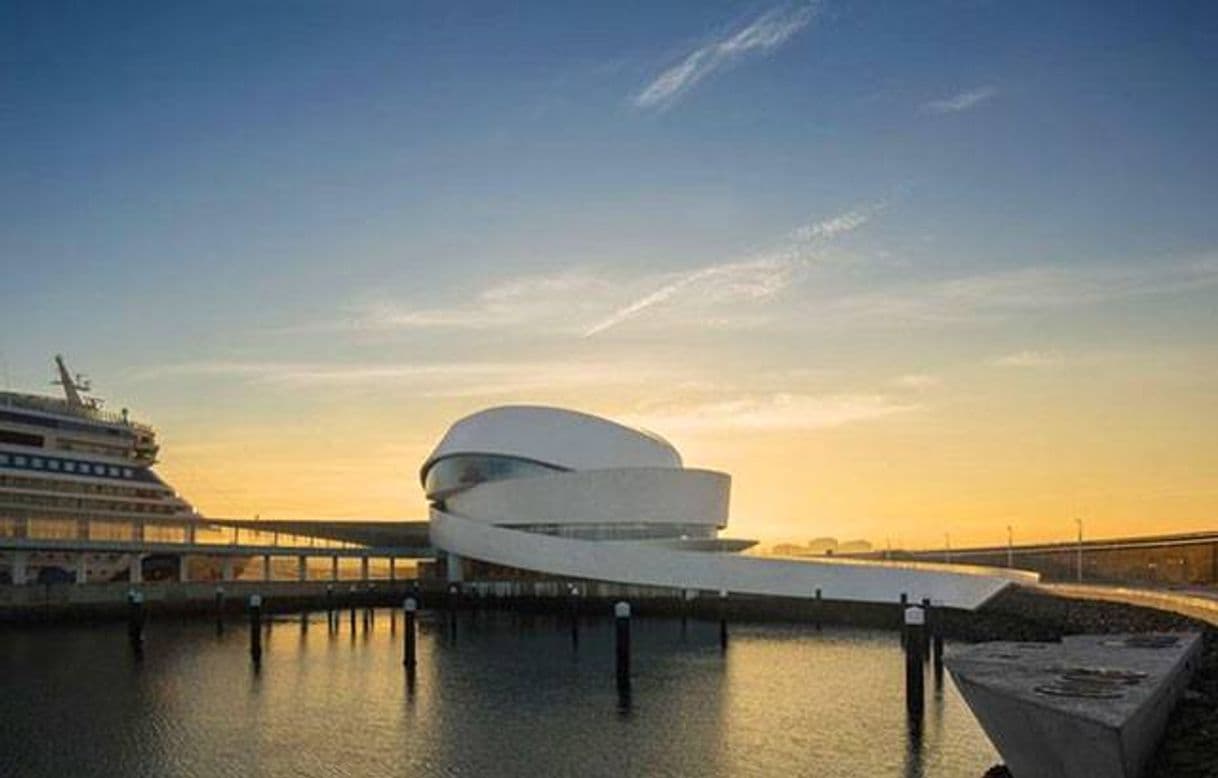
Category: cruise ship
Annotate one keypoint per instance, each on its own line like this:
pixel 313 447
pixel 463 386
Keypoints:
pixel 68 464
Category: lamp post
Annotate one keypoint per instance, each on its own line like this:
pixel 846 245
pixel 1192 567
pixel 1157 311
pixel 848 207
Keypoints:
pixel 1079 522
pixel 947 547
pixel 1010 547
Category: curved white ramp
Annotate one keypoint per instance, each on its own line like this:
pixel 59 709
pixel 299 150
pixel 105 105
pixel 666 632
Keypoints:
pixel 638 564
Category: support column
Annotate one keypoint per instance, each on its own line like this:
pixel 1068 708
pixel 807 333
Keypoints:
pixel 137 531
pixel 192 533
pixel 82 529
pixel 302 568
pixel 266 567
pixel 82 570
pixel 227 568
pixel 136 569
pixel 393 568
pixel 183 569
pixel 363 568
pixel 20 567
pixel 454 568
pixel 334 568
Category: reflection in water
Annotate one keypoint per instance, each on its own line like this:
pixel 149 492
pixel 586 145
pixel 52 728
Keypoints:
pixel 517 697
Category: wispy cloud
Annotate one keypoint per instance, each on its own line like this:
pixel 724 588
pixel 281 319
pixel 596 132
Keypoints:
pixel 780 411
pixel 753 278
pixel 559 298
pixel 998 294
pixel 766 33
pixel 961 102
pixel 918 381
pixel 443 379
pixel 1029 359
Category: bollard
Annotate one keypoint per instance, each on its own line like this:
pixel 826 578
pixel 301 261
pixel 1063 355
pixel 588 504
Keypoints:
pixel 915 626
pixel 621 615
pixel 452 612
pixel 408 613
pixel 256 627
pixel 574 608
pixel 135 619
pixel 818 610
pixel 926 631
pixel 904 606
pixel 219 609
pixel 936 627
pixel 723 619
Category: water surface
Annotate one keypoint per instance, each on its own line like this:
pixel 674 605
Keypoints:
pixel 509 695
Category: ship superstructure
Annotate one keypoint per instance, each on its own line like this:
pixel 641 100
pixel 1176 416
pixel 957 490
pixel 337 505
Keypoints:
pixel 68 462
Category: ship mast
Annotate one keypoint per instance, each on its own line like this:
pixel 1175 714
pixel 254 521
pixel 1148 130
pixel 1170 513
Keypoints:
pixel 70 385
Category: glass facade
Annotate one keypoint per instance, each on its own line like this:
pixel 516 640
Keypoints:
pixel 451 474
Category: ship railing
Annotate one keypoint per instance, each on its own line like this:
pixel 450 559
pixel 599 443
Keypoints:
pixel 47 405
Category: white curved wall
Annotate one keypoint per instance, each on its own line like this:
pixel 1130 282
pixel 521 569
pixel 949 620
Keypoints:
pixel 556 436
pixel 628 495
pixel 640 565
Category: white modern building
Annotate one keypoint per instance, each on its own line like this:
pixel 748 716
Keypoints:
pixel 559 493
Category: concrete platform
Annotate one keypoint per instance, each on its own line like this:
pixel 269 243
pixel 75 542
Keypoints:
pixel 1092 706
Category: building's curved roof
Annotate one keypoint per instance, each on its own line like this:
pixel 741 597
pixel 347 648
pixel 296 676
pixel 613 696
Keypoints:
pixel 554 436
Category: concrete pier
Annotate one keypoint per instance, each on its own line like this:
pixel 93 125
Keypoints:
pixel 1092 705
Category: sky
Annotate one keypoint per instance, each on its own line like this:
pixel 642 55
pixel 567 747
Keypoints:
pixel 910 272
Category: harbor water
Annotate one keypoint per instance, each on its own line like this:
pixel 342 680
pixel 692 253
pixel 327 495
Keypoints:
pixel 501 695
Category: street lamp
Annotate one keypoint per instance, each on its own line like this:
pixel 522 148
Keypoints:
pixel 1079 522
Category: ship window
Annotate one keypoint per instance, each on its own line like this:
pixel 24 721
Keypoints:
pixel 128 472
pixel 36 462
pixel 113 472
pixel 99 469
pixel 19 461
pixel 53 464
pixel 69 467
pixel 3 459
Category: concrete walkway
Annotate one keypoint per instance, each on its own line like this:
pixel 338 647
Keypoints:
pixel 1201 604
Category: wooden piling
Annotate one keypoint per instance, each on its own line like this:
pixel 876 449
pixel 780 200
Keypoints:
pixel 409 607
pixel 723 620
pixel 621 615
pixel 915 625
pixel 135 619
pixel 255 608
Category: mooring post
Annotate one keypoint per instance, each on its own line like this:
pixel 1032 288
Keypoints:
pixel 256 627
pixel 936 625
pixel 621 615
pixel 452 611
pixel 904 628
pixel 408 614
pixel 135 619
pixel 723 619
pixel 574 609
pixel 915 625
pixel 818 607
pixel 926 630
